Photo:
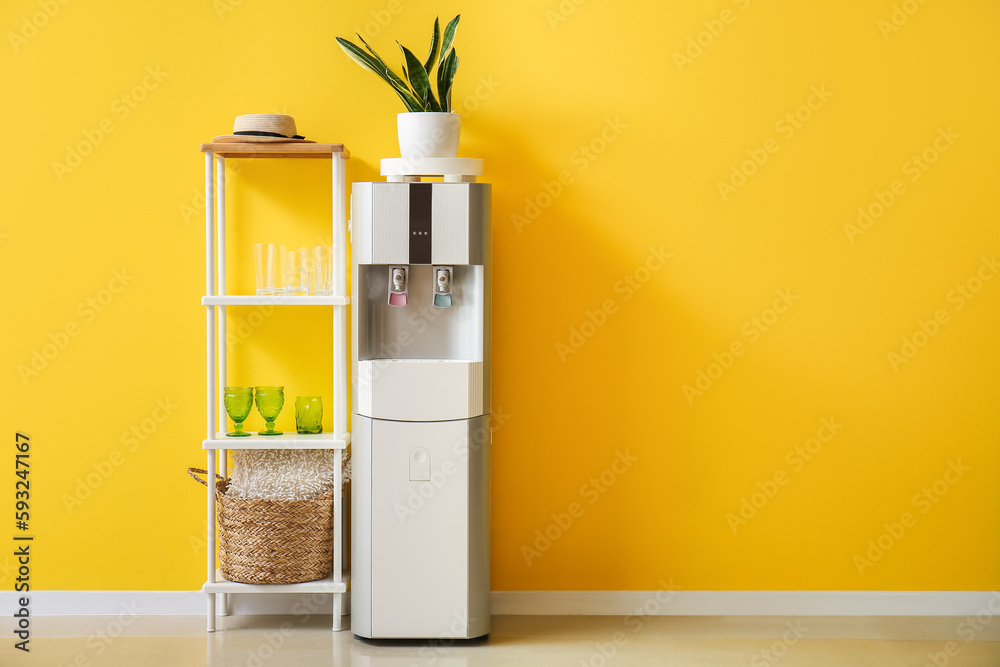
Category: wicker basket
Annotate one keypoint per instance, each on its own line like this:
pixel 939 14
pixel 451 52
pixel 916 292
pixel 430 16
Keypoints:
pixel 272 541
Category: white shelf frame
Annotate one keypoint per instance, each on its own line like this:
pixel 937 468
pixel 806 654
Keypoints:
pixel 224 586
pixel 284 441
pixel 216 444
pixel 284 300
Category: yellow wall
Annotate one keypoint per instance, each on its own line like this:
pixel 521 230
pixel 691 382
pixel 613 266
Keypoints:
pixel 606 133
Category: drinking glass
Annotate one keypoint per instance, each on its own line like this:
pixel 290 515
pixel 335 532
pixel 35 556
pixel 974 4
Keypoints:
pixel 291 272
pixel 269 403
pixel 308 414
pixel 302 269
pixel 281 271
pixel 316 270
pixel 327 255
pixel 263 255
pixel 239 402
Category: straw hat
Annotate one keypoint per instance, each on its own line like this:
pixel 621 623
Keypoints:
pixel 264 128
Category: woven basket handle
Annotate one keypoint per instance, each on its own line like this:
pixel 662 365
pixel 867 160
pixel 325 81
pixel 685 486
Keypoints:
pixel 192 471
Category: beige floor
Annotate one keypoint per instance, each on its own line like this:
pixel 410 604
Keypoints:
pixel 575 641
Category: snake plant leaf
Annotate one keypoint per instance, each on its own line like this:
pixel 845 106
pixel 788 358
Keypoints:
pixel 415 87
pixel 446 76
pixel 360 57
pixel 419 81
pixel 394 79
pixel 449 36
pixel 435 43
pixel 398 84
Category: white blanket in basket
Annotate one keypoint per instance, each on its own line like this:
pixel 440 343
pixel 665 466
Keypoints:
pixel 285 474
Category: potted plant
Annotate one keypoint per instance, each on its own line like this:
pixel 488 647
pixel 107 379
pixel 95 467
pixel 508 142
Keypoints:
pixel 428 127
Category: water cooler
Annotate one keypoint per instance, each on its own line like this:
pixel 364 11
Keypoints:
pixel 420 535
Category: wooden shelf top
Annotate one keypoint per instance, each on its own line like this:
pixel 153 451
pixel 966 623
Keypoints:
pixel 272 150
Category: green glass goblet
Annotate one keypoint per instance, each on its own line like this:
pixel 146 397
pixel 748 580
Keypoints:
pixel 269 403
pixel 239 403
pixel 308 414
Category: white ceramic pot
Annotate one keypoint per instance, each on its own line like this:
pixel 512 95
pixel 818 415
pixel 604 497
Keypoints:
pixel 428 134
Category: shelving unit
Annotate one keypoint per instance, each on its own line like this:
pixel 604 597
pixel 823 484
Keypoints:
pixel 216 299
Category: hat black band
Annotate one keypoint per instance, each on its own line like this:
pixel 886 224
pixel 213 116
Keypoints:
pixel 255 133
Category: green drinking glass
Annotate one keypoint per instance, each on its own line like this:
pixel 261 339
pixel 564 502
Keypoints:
pixel 269 403
pixel 239 403
pixel 308 414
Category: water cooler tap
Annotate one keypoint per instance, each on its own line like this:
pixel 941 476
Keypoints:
pixel 397 286
pixel 442 286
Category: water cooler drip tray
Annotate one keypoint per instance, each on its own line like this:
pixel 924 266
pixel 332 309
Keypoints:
pixel 420 389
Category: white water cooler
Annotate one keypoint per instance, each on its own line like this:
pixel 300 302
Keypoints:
pixel 420 535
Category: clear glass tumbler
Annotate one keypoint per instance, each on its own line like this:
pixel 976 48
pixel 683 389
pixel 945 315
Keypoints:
pixel 302 269
pixel 281 271
pixel 327 270
pixel 317 271
pixel 291 272
pixel 264 261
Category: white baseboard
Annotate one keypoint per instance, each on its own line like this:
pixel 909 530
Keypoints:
pixel 743 603
pixel 548 603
